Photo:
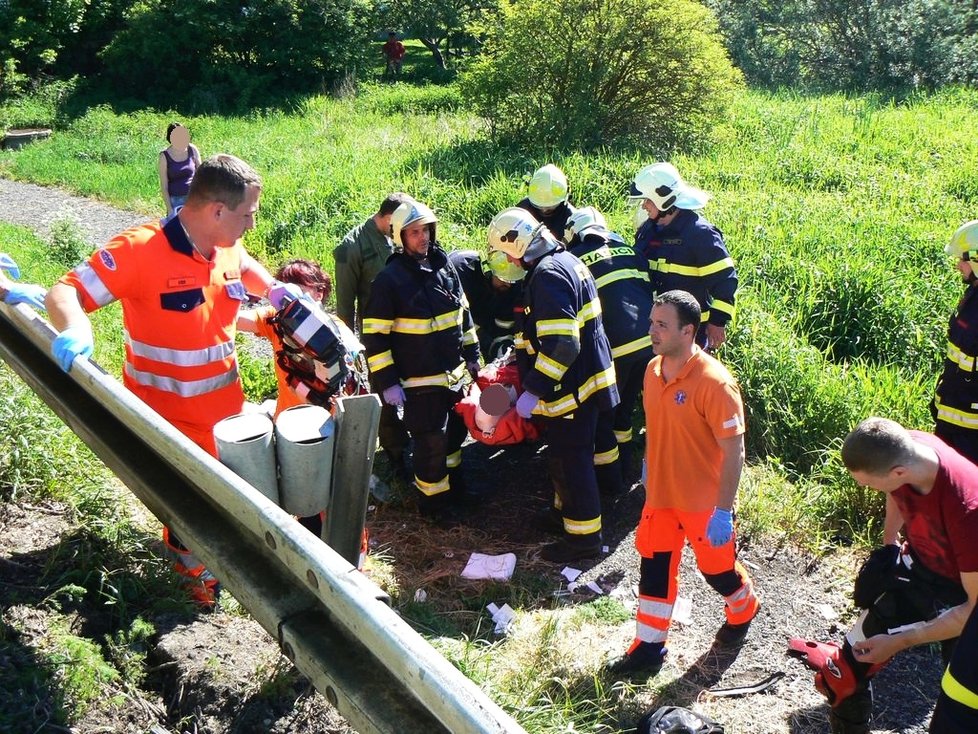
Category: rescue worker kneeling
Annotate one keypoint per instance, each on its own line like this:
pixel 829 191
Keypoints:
pixel 566 369
pixel 913 592
pixel 420 341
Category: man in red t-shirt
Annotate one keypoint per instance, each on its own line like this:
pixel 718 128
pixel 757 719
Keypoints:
pixel 394 53
pixel 918 591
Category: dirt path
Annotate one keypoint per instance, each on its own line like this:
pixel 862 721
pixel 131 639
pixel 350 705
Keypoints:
pixel 38 207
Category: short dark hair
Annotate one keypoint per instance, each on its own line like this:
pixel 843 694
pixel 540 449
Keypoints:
pixel 391 203
pixel 222 178
pixel 305 273
pixel 877 445
pixel 171 127
pixel 685 304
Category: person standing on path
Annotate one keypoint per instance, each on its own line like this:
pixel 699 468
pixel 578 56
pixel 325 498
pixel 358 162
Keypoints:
pixel 177 165
pixel 694 458
pixel 180 285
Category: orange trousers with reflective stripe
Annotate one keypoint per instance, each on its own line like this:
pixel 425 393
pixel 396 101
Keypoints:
pixel 660 538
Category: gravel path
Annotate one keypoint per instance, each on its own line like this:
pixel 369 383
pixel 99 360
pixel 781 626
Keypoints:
pixel 38 207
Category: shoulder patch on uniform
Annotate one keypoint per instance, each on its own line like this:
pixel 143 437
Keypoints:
pixel 107 259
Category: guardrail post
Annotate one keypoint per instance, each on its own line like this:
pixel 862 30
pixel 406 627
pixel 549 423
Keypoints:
pixel 357 418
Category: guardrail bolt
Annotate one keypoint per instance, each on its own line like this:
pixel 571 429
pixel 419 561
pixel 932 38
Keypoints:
pixel 331 696
pixel 311 578
pixel 270 540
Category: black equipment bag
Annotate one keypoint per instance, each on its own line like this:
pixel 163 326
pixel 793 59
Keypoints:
pixel 677 720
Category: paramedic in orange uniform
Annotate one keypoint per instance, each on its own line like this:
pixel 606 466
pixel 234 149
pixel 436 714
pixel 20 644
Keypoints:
pixel 694 457
pixel 180 285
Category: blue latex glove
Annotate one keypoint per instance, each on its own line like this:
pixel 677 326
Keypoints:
pixel 7 263
pixel 720 529
pixel 73 342
pixel 645 473
pixel 473 368
pixel 526 403
pixel 394 395
pixel 282 294
pixel 28 293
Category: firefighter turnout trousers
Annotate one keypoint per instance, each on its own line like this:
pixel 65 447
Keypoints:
pixel 570 460
pixel 438 433
pixel 957 703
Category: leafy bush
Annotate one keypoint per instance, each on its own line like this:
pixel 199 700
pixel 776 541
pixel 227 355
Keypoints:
pixel 222 54
pixel 621 71
pixel 852 44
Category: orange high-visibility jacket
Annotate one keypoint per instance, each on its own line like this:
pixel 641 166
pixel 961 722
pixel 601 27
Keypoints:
pixel 179 313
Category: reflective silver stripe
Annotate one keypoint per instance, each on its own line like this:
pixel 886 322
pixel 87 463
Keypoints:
pixel 652 608
pixel 632 346
pixel 183 388
pixel 93 285
pixel 181 357
pixel 964 360
pixel 647 633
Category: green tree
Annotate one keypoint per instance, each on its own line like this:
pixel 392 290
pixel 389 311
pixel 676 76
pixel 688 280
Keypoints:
pixel 852 44
pixel 441 25
pixel 592 72
pixel 231 54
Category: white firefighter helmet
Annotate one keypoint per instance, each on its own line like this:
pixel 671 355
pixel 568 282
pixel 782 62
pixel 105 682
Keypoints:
pixel 408 213
pixel 583 219
pixel 548 187
pixel 502 268
pixel 517 233
pixel 661 184
pixel 964 244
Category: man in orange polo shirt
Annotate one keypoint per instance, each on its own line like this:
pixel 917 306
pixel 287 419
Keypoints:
pixel 180 285
pixel 694 457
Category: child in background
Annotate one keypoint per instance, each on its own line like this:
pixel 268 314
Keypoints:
pixel 177 166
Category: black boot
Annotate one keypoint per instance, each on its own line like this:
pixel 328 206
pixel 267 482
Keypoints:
pixel 851 715
pixel 572 548
pixel 646 657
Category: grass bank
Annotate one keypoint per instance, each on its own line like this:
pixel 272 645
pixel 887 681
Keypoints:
pixel 836 209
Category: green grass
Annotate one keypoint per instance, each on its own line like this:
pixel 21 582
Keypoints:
pixel 836 209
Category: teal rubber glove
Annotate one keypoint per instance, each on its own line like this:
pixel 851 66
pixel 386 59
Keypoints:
pixel 32 295
pixel 7 263
pixel 720 529
pixel 73 342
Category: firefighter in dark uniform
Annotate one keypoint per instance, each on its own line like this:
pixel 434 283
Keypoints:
pixel 957 703
pixel 622 277
pixel 566 368
pixel 494 289
pixel 547 200
pixel 420 341
pixel 955 409
pixel 685 251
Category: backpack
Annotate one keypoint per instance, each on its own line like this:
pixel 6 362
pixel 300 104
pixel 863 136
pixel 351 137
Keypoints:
pixel 677 720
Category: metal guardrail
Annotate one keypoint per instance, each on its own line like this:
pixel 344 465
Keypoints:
pixel 329 620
